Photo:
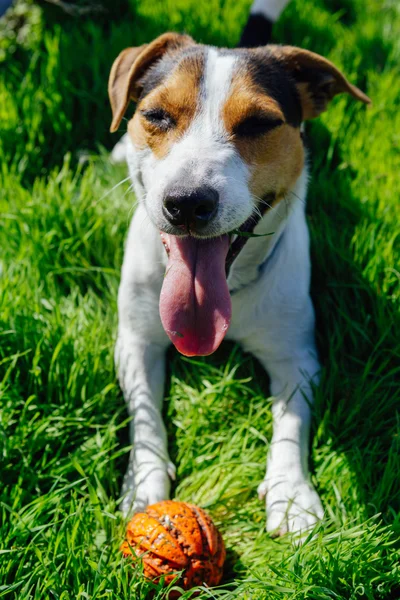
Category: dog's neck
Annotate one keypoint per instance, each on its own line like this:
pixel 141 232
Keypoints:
pixel 247 265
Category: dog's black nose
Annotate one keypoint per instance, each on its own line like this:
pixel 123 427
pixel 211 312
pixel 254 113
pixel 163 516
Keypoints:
pixel 192 209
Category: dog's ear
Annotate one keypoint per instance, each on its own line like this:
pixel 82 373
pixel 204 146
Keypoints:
pixel 317 79
pixel 131 65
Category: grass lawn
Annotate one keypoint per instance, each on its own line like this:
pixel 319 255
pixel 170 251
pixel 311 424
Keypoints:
pixel 63 426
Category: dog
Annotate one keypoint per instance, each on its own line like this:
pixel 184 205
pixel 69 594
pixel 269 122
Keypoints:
pixel 218 246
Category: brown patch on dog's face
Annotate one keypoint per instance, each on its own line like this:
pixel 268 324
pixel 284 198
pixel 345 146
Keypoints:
pixel 271 147
pixel 245 101
pixel 132 64
pixel 280 162
pixel 163 116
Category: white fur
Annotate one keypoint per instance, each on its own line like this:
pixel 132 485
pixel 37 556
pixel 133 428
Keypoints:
pixel 118 153
pixel 272 317
pixel 202 156
pixel 217 82
pixel 271 9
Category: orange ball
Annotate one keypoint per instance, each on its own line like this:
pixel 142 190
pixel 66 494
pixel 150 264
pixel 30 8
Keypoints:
pixel 175 536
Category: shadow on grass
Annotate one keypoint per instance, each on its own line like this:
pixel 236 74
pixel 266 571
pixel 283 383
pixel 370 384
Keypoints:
pixel 356 333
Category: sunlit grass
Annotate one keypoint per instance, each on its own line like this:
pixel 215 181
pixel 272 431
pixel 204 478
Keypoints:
pixel 63 427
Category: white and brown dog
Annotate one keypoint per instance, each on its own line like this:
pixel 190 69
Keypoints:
pixel 215 152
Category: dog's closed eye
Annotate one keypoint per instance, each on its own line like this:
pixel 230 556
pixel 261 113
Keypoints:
pixel 159 118
pixel 256 125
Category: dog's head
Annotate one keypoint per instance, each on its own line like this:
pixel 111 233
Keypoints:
pixel 217 133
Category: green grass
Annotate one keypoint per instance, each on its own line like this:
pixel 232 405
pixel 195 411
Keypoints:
pixel 63 426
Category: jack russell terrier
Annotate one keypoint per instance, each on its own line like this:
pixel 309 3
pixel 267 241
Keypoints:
pixel 218 246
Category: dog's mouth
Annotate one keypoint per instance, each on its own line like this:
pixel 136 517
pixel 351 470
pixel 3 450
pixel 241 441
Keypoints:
pixel 195 304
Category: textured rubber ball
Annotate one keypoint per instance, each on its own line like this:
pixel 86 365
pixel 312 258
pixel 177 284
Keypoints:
pixel 172 537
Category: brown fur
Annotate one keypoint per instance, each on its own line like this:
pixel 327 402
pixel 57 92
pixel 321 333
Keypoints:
pixel 325 83
pixel 178 96
pixel 275 158
pixel 308 107
pixel 129 67
pixel 278 162
pixel 246 100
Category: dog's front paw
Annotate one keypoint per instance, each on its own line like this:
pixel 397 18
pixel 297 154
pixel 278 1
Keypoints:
pixel 292 506
pixel 144 488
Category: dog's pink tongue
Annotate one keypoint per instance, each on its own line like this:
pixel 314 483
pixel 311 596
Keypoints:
pixel 195 305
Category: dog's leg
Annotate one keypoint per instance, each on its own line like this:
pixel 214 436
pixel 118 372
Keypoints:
pixel 140 361
pixel 280 333
pixel 291 502
pixel 141 368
